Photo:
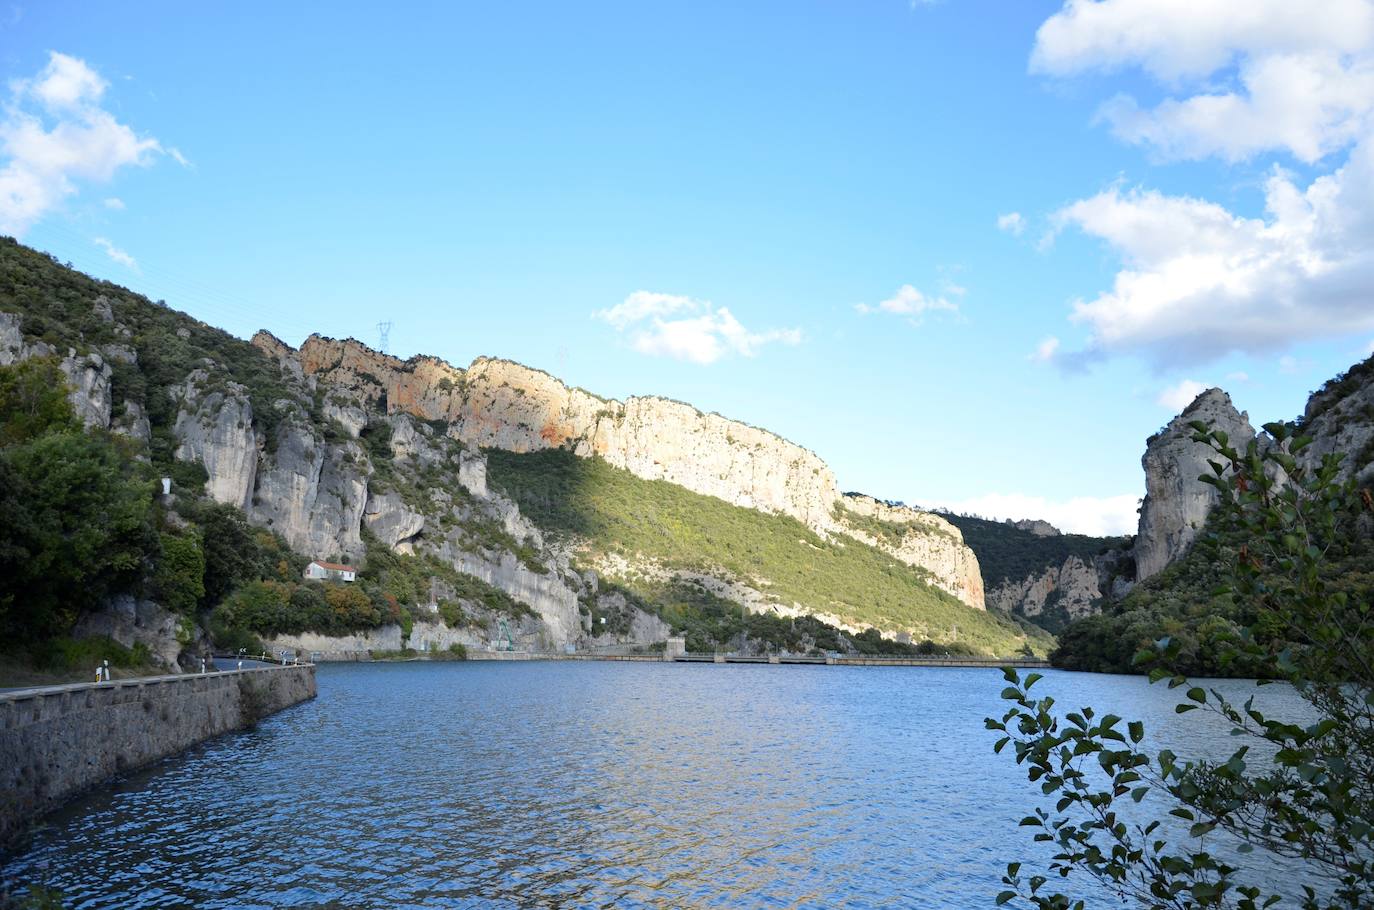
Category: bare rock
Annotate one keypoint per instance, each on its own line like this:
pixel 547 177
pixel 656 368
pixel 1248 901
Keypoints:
pixel 1176 502
pixel 313 494
pixel 929 542
pixel 388 517
pixel 214 426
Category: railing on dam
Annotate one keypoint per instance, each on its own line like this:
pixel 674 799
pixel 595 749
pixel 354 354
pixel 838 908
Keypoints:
pixel 862 660
pixel 834 660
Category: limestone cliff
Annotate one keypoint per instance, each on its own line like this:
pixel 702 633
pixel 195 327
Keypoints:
pixel 1066 591
pixel 1176 502
pixel 215 427
pixel 500 404
pixel 1339 418
pixel 922 540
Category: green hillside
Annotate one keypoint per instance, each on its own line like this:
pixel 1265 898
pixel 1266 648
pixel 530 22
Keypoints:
pixel 615 512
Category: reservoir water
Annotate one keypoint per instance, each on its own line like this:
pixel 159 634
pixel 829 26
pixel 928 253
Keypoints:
pixel 569 784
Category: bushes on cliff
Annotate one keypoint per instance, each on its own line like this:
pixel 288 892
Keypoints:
pixel 78 520
pixel 179 580
pixel 1183 603
pixel 269 608
pixel 33 401
pixel 235 551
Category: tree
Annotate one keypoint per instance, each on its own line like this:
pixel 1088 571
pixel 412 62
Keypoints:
pixel 180 575
pixel 1279 526
pixel 33 401
pixel 80 529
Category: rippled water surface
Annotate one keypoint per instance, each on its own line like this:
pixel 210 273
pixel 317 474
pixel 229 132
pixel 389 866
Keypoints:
pixel 585 784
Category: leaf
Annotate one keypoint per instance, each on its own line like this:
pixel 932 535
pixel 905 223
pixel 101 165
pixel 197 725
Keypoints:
pixel 1137 731
pixel 1005 897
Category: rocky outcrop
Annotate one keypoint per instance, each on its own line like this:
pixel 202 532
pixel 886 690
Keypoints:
pixel 394 522
pixel 312 493
pixel 1176 502
pixel 927 542
pixel 133 422
pixel 1072 587
pixel 90 378
pixel 214 426
pixel 131 621
pixel 89 375
pixel 505 405
pixel 335 647
pixel 547 593
pixel 1036 526
pixel 1340 418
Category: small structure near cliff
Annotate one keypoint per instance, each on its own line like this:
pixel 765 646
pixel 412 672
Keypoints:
pixel 330 571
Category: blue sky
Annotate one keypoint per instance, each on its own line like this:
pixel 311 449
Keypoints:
pixel 785 212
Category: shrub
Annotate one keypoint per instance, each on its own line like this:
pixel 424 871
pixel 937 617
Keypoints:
pixel 179 580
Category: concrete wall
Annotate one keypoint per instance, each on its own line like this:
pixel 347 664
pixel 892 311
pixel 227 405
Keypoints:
pixel 60 740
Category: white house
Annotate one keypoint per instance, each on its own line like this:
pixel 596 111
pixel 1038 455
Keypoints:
pixel 330 571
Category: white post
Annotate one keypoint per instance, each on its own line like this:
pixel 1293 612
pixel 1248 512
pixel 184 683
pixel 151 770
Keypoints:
pixel 106 666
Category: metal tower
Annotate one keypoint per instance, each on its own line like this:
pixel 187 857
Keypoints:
pixel 384 331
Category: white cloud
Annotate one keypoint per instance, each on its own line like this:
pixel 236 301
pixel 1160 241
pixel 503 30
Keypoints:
pixel 1289 364
pixel 1012 222
pixel 643 305
pixel 1308 105
pixel 1266 74
pixel 1174 39
pixel 911 303
pixel 1100 516
pixel 1046 350
pixel 116 253
pixel 1238 376
pixel 115 203
pixel 53 134
pixel 1177 397
pixel 178 157
pixel 1198 280
pixel 700 332
pixel 1369 348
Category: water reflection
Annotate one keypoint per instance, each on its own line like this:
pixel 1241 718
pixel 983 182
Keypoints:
pixel 588 784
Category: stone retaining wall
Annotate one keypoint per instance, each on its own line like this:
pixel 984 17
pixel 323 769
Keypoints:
pixel 59 740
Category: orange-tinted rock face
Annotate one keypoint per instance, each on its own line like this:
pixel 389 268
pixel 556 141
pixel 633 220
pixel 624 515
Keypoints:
pixel 499 404
pixel 505 405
